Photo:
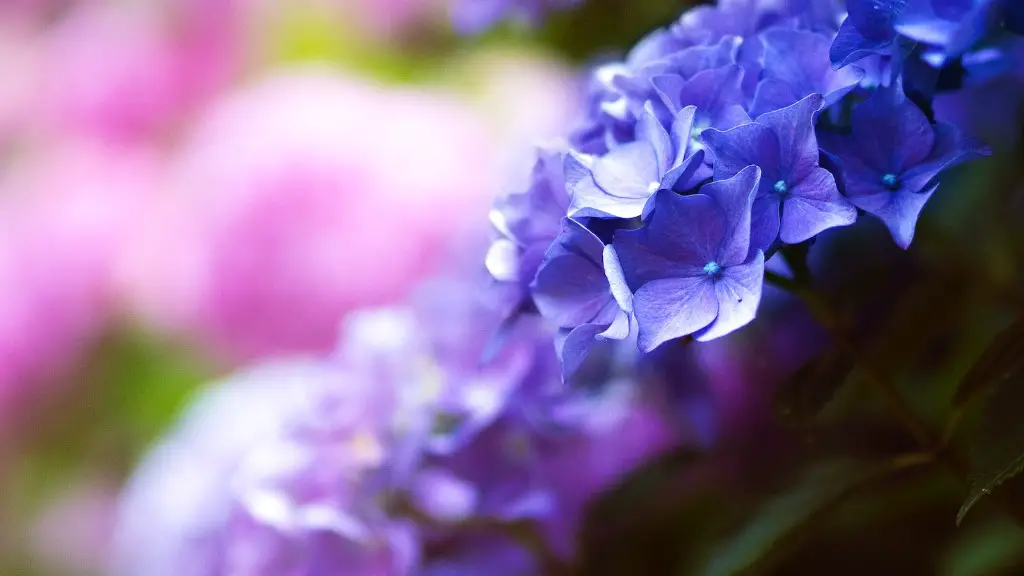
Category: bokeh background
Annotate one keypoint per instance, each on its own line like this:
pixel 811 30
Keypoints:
pixel 190 186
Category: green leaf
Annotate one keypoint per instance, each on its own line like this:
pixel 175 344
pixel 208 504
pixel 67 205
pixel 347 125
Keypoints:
pixel 993 548
pixel 806 393
pixel 786 517
pixel 1003 357
pixel 997 448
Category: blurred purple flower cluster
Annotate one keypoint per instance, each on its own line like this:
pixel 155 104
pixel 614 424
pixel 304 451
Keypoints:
pixel 388 455
pixel 741 129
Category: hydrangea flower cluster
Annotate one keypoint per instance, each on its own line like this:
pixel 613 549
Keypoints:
pixel 381 458
pixel 741 128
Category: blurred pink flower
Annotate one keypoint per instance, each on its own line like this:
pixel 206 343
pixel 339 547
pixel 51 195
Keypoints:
pixel 62 216
pixel 302 197
pixel 18 60
pixel 124 72
pixel 388 18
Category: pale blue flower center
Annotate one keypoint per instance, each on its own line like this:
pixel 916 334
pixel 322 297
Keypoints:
pixel 712 269
pixel 781 187
pixel 890 181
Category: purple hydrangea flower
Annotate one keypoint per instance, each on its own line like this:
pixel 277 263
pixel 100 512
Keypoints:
pixel 690 268
pixel 272 472
pixel 621 92
pixel 521 468
pixel 527 222
pixel 716 96
pixel 581 290
pixel 873 26
pixel 476 16
pixel 892 158
pixel 796 198
pixel 796 66
pixel 619 183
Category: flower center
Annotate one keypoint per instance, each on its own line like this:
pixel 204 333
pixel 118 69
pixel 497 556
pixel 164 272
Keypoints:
pixel 891 182
pixel 695 132
pixel 781 187
pixel 712 269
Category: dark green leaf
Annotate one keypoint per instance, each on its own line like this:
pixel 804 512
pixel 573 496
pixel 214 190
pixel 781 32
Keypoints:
pixel 1003 356
pixel 997 448
pixel 812 387
pixel 786 516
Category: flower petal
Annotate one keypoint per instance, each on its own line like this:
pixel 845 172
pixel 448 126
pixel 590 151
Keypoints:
pixel 814 205
pixel 739 294
pixel 673 308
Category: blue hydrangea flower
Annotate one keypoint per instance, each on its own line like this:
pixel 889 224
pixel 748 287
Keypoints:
pixel 619 183
pixel 796 66
pixel 690 268
pixel 581 290
pixel 475 16
pixel 892 158
pixel 796 198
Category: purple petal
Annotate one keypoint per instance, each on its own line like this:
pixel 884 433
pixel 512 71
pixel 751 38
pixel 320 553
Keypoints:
pixel 798 146
pixel 668 87
pixel 650 130
pixel 628 171
pixel 875 19
pixel 800 59
pixel 673 308
pixel 739 293
pixel 571 288
pixel 736 197
pixel 619 328
pixel 742 146
pixel 812 206
pixel 587 199
pixel 951 148
pixel 772 94
pixel 891 133
pixel 898 210
pixel 850 46
pixel 710 90
pixel 573 346
pixel 688 174
pixel 682 236
pixel 765 221
pixel 616 279
pixel 696 59
pixel 682 130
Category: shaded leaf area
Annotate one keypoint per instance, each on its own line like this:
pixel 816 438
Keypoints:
pixel 812 387
pixel 1003 358
pixel 997 447
pixel 786 517
pixel 645 522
